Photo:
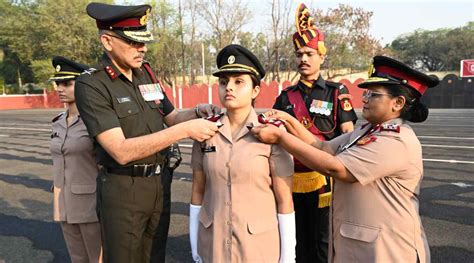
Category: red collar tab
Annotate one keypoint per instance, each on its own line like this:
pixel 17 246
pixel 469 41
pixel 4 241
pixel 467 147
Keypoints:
pixel 404 78
pixel 111 72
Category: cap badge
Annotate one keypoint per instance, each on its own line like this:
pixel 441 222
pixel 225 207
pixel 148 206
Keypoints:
pixel 58 68
pixel 144 19
pixel 231 59
pixel 371 70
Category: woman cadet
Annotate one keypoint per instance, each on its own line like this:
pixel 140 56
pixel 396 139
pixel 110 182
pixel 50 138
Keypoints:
pixel 241 206
pixel 75 170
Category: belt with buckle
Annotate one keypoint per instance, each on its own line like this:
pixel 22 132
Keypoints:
pixel 137 170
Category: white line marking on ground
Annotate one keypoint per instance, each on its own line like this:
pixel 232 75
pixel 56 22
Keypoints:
pixel 448 161
pixel 448 138
pixel 24 129
pixel 447 146
pixel 462 185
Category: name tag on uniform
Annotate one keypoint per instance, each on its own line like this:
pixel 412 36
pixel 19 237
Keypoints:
pixel 208 149
pixel 151 92
pixel 123 99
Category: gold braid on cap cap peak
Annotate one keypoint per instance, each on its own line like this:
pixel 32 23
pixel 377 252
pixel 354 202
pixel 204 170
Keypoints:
pixel 307 31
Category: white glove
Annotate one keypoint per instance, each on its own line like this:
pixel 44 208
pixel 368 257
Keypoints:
pixel 193 230
pixel 287 226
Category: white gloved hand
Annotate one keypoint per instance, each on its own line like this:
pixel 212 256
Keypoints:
pixel 193 230
pixel 287 226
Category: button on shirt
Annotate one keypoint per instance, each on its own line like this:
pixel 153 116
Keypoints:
pixel 106 99
pixel 238 219
pixel 74 170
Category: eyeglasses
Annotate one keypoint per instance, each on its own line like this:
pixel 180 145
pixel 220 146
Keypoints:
pixel 367 94
pixel 128 41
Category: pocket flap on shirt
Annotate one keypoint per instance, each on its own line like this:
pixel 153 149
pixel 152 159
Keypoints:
pixel 126 109
pixel 359 232
pixel 83 188
pixel 262 225
pixel 205 219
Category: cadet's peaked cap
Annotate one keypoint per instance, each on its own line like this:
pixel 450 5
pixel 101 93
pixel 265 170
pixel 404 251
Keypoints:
pixel 307 34
pixel 388 71
pixel 66 69
pixel 127 21
pixel 237 59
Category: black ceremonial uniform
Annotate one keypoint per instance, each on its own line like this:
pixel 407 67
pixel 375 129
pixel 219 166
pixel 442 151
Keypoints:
pixel 327 107
pixel 106 99
pixel 321 90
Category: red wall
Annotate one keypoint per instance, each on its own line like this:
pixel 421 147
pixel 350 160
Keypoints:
pixel 191 96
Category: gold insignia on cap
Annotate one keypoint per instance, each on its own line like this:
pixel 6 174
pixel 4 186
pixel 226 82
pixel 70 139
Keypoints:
pixel 144 19
pixel 231 59
pixel 58 68
pixel 371 70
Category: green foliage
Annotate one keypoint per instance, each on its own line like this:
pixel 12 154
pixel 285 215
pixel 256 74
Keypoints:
pixel 347 38
pixel 38 30
pixel 42 71
pixel 436 50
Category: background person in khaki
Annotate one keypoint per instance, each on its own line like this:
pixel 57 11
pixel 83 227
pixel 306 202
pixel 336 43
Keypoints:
pixel 241 207
pixel 125 111
pixel 75 170
pixel 377 169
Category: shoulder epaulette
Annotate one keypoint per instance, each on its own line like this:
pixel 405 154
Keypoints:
pixel 393 127
pixel 57 117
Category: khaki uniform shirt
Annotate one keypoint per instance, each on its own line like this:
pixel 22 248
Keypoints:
pixel 376 219
pixel 238 219
pixel 75 172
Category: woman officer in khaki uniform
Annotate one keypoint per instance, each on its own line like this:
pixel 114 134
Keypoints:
pixel 377 169
pixel 241 206
pixel 75 171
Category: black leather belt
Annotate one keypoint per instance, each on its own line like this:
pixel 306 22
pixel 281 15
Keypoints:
pixel 138 170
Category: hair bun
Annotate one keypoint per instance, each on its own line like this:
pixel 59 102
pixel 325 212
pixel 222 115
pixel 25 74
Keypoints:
pixel 419 112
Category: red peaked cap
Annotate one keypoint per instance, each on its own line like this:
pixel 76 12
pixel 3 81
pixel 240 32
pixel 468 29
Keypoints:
pixel 388 71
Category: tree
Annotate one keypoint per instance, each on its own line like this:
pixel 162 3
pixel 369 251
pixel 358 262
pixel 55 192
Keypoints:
pixel 347 38
pixel 224 19
pixel 35 31
pixel 435 50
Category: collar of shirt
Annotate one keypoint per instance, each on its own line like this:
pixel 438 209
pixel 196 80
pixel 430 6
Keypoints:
pixel 252 119
pixel 320 83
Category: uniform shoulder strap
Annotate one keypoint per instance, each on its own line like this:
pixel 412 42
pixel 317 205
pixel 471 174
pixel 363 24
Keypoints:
pixel 146 65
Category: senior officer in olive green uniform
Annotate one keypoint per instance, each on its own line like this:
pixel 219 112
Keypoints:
pixel 325 109
pixel 125 109
pixel 75 170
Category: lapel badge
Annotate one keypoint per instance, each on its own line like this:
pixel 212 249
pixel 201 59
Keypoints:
pixel 366 140
pixel 231 59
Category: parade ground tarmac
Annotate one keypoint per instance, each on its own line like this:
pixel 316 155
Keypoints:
pixel 28 234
